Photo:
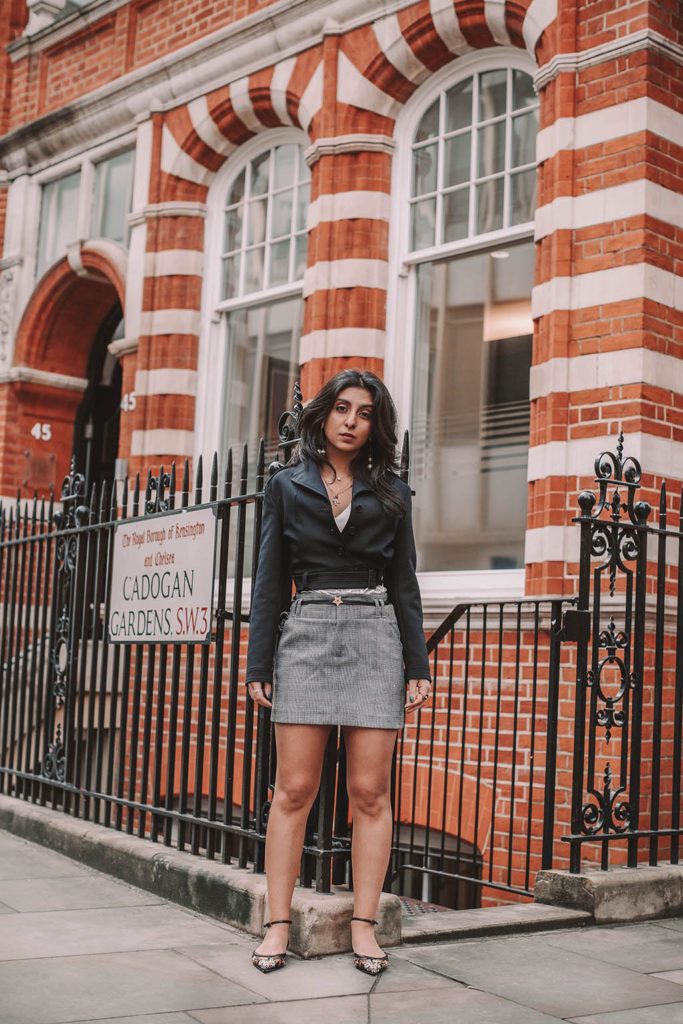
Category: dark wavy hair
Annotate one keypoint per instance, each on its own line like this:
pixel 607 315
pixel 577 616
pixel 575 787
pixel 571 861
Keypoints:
pixel 381 444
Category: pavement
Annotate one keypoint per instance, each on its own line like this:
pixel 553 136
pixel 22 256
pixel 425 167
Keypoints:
pixel 77 945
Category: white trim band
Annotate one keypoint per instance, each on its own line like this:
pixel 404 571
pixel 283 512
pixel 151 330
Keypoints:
pixel 607 370
pixel 348 206
pixel 632 199
pixel 613 122
pixel 342 342
pixel 174 263
pixel 175 161
pixel 602 287
pixel 170 321
pixel 552 544
pixel 162 442
pixel 575 458
pixel 32 375
pixel 166 382
pixel 351 273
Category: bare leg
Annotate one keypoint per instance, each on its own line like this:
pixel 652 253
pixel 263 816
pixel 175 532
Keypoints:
pixel 369 753
pixel 300 751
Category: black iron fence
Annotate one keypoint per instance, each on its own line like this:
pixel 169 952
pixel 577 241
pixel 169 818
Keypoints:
pixel 158 737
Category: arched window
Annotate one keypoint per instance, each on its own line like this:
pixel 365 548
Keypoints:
pixel 257 257
pixel 468 257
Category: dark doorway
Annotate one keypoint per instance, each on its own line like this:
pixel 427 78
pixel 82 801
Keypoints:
pixel 96 429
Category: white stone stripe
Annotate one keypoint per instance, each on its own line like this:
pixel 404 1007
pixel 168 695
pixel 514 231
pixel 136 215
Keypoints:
pixel 606 370
pixel 170 321
pixel 494 12
pixel 207 129
pixel 342 341
pixel 166 382
pixel 311 98
pixel 609 123
pixel 174 263
pixel 278 88
pixel 396 49
pixel 348 206
pixel 162 442
pixel 540 14
pixel 346 274
pixel 575 458
pixel 631 199
pixel 175 160
pixel 447 26
pixel 353 88
pixel 601 287
pixel 241 104
pixel 552 544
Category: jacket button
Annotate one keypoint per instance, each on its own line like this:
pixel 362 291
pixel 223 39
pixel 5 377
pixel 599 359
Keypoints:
pixel 321 508
pixel 351 530
pixel 333 529
pixel 340 551
pixel 358 508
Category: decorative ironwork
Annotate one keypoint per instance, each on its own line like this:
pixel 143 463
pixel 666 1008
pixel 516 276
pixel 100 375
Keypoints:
pixel 54 763
pixel 156 499
pixel 608 813
pixel 288 430
pixel 73 512
pixel 612 469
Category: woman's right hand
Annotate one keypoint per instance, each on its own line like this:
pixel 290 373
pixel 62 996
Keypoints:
pixel 258 694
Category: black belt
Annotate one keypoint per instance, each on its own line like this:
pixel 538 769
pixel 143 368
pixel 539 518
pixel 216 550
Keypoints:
pixel 340 580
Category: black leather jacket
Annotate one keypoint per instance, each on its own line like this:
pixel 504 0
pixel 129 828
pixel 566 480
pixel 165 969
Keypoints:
pixel 299 535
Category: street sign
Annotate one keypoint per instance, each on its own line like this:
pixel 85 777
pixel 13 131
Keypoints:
pixel 162 578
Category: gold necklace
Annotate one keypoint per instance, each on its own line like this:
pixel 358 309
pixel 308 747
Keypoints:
pixel 334 498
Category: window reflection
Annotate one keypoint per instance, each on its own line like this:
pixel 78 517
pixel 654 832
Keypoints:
pixel 470 429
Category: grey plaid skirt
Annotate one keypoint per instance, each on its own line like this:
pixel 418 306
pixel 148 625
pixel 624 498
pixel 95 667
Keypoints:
pixel 340 664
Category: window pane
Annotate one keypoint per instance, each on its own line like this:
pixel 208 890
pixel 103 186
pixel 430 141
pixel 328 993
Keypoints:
pixel 58 219
pixel 233 229
pixel 490 206
pixel 470 421
pixel 424 170
pixel 429 125
pixel 523 94
pixel 281 216
pixel 492 94
pixel 300 256
pixel 253 281
pixel 456 207
pixel 256 221
pixel 491 142
pixel 284 166
pixel 458 151
pixel 231 276
pixel 259 174
pixel 113 194
pixel 237 191
pixel 423 223
pixel 263 363
pixel 522 197
pixel 459 106
pixel 524 131
pixel 279 263
pixel 302 202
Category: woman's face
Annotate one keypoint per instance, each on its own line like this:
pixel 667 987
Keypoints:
pixel 348 425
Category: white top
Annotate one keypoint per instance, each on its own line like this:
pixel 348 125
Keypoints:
pixel 342 518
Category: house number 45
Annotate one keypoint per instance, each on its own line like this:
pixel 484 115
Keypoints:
pixel 42 431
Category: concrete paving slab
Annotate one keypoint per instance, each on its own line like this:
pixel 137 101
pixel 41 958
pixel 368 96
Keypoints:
pixel 76 932
pixel 516 917
pixel 87 988
pixel 519 969
pixel 4 909
pixel 643 947
pixel 402 975
pixel 80 892
pixel 671 1013
pixel 340 1010
pixel 675 923
pixel 675 976
pixel 21 859
pixel 147 1018
pixel 328 977
pixel 464 1005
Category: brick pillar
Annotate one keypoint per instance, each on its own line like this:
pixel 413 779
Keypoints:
pixel 609 227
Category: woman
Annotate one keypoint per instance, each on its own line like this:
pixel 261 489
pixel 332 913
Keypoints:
pixel 337 520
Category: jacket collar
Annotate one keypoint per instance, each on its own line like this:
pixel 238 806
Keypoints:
pixel 307 474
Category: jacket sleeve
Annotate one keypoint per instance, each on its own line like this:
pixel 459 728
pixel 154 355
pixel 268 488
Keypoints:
pixel 404 594
pixel 267 590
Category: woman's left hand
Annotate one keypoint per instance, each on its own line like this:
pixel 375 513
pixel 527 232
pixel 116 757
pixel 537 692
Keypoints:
pixel 419 692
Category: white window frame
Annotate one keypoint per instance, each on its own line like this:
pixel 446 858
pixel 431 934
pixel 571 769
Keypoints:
pixel 84 163
pixel 212 363
pixel 439 589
